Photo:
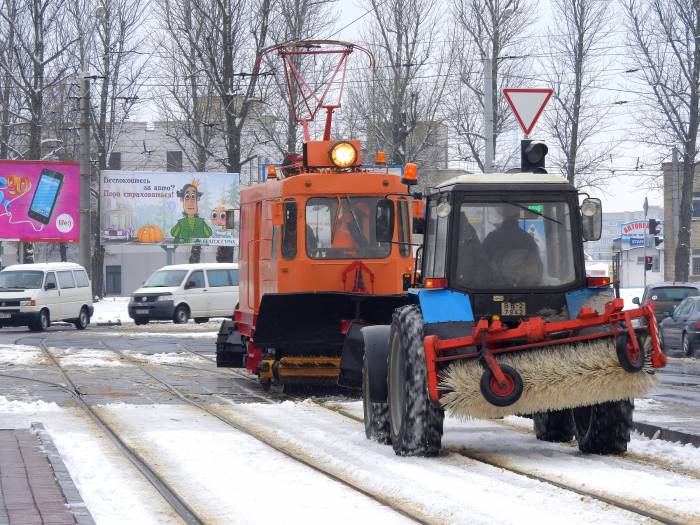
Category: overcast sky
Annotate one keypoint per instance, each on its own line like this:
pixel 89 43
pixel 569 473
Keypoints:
pixel 623 192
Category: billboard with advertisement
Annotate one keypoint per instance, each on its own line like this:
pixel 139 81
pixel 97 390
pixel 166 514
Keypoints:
pixel 633 234
pixel 143 207
pixel 39 201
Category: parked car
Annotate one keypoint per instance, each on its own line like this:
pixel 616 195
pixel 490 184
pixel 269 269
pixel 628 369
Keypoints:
pixel 35 295
pixel 680 332
pixel 186 291
pixel 667 296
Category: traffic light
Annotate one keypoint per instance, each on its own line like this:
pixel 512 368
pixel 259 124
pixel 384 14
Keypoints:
pixel 532 156
pixel 649 262
pixel 654 227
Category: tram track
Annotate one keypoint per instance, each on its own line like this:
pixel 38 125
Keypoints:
pixel 493 460
pixel 239 424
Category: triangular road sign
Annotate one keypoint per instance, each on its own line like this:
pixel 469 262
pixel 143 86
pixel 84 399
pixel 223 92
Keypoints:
pixel 527 104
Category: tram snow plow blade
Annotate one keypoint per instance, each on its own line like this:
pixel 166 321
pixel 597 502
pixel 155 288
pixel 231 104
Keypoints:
pixel 542 366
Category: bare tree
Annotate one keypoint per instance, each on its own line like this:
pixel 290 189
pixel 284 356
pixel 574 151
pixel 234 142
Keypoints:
pixel 576 50
pixel 399 100
pixel 36 64
pixel 664 36
pixel 234 33
pixel 9 101
pixel 112 50
pixel 487 33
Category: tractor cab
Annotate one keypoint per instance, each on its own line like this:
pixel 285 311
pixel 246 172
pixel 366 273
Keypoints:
pixel 512 242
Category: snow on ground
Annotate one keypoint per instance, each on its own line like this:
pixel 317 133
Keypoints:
pixel 183 333
pixel 113 490
pixel 229 477
pixel 83 357
pixel 112 310
pixel 21 355
pixel 450 489
pixel 167 358
pixel 627 294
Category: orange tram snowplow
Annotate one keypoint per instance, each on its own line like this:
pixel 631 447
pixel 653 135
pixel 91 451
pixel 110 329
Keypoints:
pixel 311 268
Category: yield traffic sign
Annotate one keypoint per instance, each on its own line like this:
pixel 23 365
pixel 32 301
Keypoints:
pixel 527 105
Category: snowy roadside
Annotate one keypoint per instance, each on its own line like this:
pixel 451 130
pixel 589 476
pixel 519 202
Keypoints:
pixel 113 490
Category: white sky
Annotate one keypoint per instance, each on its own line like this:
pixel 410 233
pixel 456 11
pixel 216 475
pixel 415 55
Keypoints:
pixel 623 193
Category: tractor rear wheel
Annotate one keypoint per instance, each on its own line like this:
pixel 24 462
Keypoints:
pixel 376 415
pixel 555 425
pixel 415 421
pixel 604 428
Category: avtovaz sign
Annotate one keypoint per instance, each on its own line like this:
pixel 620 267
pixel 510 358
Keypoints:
pixel 633 234
pixel 168 207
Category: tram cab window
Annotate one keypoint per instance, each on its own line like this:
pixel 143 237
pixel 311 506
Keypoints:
pixel 289 230
pixel 342 227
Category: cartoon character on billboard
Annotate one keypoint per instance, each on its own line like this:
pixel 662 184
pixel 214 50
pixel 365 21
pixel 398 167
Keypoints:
pixel 191 226
pixel 218 217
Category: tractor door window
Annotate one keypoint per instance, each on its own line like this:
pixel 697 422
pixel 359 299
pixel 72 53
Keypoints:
pixel 435 243
pixel 403 222
pixel 342 227
pixel 289 231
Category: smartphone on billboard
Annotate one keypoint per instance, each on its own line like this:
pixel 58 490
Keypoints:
pixel 45 195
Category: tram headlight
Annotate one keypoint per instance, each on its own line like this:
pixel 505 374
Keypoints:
pixel 343 154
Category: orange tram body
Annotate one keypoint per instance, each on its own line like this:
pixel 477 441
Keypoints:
pixel 311 268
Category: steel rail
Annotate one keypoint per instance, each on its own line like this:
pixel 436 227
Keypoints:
pixel 411 514
pixel 188 515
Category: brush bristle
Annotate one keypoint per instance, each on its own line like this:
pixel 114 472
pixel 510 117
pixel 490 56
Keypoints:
pixel 554 378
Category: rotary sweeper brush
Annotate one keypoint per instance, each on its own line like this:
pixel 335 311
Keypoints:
pixel 541 366
pixel 503 320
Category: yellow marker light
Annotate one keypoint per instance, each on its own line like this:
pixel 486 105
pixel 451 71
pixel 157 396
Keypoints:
pixel 271 172
pixel 380 158
pixel 343 154
pixel 410 174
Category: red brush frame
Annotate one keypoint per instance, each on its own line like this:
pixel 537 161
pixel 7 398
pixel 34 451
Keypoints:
pixel 487 337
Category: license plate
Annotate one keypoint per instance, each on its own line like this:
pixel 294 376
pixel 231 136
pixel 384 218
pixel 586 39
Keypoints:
pixel 5 316
pixel 141 311
pixel 513 309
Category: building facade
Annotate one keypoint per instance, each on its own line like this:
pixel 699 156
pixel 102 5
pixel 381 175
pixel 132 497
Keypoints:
pixel 672 196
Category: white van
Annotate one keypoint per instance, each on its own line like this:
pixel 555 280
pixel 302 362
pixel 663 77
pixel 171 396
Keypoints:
pixel 186 291
pixel 35 295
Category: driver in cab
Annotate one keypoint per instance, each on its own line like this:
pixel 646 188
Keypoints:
pixel 512 253
pixel 351 231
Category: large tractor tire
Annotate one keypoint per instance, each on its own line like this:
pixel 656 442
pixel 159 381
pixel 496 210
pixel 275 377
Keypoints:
pixel 604 428
pixel 415 421
pixel 556 426
pixel 376 415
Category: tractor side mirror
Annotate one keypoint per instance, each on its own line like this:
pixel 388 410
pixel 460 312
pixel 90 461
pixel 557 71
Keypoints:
pixel 384 221
pixel 635 301
pixel 592 218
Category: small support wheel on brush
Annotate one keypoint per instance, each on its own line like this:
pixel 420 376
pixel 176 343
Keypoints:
pixel 376 415
pixel 502 395
pixel 630 359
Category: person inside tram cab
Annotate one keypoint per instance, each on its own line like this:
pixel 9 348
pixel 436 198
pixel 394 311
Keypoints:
pixel 351 230
pixel 511 252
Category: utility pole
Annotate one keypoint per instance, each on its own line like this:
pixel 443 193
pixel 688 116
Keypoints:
pixel 488 116
pixel 85 169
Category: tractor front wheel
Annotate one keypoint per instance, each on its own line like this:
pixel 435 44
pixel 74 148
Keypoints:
pixel 415 420
pixel 604 428
pixel 556 426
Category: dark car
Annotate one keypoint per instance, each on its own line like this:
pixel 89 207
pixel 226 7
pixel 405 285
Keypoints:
pixel 680 332
pixel 667 296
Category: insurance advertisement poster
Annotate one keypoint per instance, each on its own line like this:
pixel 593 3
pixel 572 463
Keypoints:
pixel 142 207
pixel 39 201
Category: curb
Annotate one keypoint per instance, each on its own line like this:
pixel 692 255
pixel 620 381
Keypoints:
pixel 73 498
pixel 666 434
